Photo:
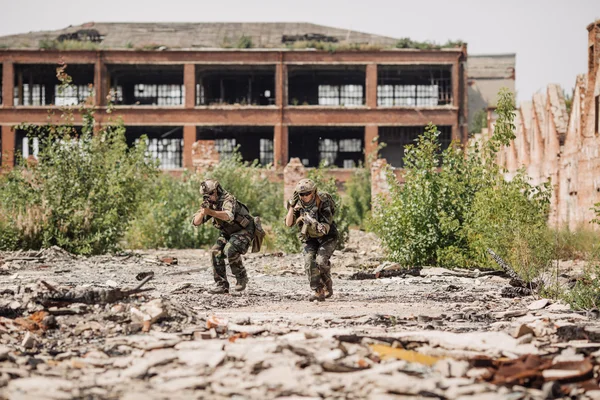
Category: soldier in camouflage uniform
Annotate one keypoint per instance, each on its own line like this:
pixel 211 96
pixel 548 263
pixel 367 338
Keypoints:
pixel 236 224
pixel 313 211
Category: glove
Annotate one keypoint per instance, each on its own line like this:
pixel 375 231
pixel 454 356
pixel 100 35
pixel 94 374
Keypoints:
pixel 294 200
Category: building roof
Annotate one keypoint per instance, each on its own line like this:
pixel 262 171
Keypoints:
pixel 491 66
pixel 179 35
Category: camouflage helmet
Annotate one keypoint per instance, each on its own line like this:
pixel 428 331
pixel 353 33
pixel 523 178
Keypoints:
pixel 305 185
pixel 209 186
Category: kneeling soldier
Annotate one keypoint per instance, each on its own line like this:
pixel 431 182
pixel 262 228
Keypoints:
pixel 236 224
pixel 313 212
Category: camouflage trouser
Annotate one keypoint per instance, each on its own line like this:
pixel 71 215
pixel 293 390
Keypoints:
pixel 231 247
pixel 317 253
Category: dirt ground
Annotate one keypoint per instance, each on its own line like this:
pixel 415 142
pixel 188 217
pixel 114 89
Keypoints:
pixel 178 341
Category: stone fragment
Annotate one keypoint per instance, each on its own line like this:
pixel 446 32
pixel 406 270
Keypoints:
pixel 40 388
pixel 208 358
pixel 522 330
pixel 29 341
pixel 217 323
pixel 153 358
pixel 191 382
pixel 538 304
pixel 4 351
pixel 449 368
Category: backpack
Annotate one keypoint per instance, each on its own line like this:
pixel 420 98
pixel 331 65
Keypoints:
pixel 322 196
pixel 259 235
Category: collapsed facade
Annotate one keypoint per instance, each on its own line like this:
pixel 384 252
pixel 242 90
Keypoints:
pixel 551 143
pixel 275 90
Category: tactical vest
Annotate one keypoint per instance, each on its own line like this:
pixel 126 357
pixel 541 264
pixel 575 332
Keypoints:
pixel 241 217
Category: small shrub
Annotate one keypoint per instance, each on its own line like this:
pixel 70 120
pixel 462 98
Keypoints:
pixel 245 42
pixel 81 191
pixel 164 219
pixel 452 207
pixel 585 295
pixel 574 245
pixel 479 122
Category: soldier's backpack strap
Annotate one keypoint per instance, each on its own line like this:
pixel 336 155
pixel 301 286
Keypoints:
pixel 319 201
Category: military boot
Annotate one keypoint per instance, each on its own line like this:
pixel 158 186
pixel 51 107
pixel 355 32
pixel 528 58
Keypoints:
pixel 318 295
pixel 218 289
pixel 328 288
pixel 241 284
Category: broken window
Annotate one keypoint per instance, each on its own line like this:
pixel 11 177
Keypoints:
pixel 333 146
pixel 340 95
pixel 37 85
pixel 252 142
pixel 72 95
pixel 28 144
pixel 397 137
pixel 165 143
pixel 242 85
pixel 159 85
pixel 414 86
pixel 329 85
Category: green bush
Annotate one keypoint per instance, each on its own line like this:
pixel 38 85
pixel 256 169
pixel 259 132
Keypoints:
pixel 80 193
pixel 452 206
pixel 358 197
pixel 164 219
pixel 514 225
pixel 585 295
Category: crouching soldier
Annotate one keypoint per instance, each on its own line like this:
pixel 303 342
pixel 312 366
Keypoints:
pixel 313 212
pixel 236 224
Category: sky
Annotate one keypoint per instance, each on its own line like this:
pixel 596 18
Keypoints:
pixel 549 37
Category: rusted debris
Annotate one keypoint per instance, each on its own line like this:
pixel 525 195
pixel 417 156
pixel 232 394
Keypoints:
pixel 169 260
pixel 143 275
pixel 386 274
pixel 89 295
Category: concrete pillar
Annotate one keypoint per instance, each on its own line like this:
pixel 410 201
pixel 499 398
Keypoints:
pixel 456 84
pixel 8 146
pixel 371 86
pixel 189 82
pixel 8 83
pixel 379 183
pixel 280 145
pixel 189 138
pixel 100 82
pixel 281 85
pixel 292 173
pixel 371 143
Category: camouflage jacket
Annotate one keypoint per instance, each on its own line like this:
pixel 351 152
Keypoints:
pixel 320 210
pixel 238 214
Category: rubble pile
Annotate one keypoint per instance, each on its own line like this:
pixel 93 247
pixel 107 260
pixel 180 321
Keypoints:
pixel 138 325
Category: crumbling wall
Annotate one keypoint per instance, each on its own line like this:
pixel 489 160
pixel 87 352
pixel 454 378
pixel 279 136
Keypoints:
pixel 204 155
pixel 551 144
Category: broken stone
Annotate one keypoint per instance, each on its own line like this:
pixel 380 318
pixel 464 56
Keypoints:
pixel 207 358
pixel 522 330
pixel 4 351
pixel 29 341
pixel 538 305
pixel 217 323
pixel 452 368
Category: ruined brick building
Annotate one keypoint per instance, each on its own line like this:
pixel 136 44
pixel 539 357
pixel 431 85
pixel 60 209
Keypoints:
pixel 276 90
pixel 551 143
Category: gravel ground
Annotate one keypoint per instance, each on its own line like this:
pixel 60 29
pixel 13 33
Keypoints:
pixel 407 335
